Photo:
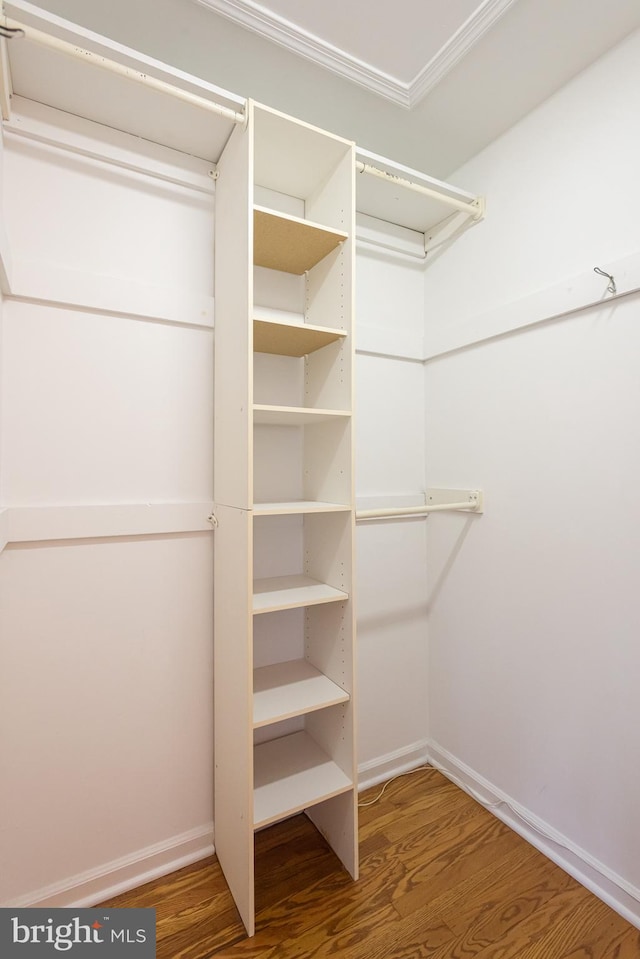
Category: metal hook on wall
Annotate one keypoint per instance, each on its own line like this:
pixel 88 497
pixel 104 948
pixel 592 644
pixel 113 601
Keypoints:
pixel 612 283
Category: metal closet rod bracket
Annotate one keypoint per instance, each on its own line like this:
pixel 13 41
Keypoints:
pixel 435 501
pixel 471 500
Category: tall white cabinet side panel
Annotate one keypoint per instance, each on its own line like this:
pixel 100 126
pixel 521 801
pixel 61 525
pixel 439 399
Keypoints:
pixel 233 472
pixel 233 707
pixel 233 494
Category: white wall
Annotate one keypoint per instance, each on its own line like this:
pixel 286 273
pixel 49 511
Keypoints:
pixel 534 607
pixel 107 381
pixel 391 555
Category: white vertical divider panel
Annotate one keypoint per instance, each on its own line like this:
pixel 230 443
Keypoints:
pixel 330 541
pixel 327 549
pixel 337 820
pixel 327 377
pixel 233 707
pixel 233 331
pixel 233 494
pixel 327 462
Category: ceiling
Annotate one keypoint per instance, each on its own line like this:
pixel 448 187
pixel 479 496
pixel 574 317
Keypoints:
pixel 428 83
pixel 402 51
pixel 399 52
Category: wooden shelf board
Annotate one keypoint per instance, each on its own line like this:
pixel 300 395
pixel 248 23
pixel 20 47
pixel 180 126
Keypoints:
pixel 288 339
pixel 289 689
pixel 297 506
pixel 291 592
pixel 293 415
pixel 292 774
pixel 289 243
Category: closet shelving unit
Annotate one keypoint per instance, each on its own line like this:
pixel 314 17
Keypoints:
pixel 284 492
pixel 284 662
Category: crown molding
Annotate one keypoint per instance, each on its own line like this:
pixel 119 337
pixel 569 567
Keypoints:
pixel 253 16
pixel 456 47
pixel 257 18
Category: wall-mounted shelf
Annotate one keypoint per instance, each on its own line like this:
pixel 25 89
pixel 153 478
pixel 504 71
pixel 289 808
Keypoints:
pixel 386 196
pixel 288 339
pixel 80 84
pixel 291 689
pixel 292 774
pixel 292 592
pixel 289 243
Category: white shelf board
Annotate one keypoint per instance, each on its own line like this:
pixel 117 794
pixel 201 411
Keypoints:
pixel 298 506
pixel 293 688
pixel 291 592
pixel 292 774
pixel 86 90
pixel 293 415
pixel 289 243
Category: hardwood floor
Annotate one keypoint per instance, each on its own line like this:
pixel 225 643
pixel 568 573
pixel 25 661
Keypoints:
pixel 440 877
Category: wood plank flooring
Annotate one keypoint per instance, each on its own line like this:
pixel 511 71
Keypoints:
pixel 440 877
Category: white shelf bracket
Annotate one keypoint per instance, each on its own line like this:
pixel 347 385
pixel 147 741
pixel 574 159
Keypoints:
pixel 452 226
pixel 470 500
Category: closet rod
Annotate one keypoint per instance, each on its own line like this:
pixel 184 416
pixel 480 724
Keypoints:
pixel 73 50
pixel 414 510
pixel 474 208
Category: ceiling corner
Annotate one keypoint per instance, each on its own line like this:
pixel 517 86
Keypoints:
pixel 457 47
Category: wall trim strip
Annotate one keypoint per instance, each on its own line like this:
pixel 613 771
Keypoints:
pixel 574 295
pixel 32 524
pixel 42 282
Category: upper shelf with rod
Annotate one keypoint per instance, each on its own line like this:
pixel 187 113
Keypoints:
pixel 64 66
pixel 390 191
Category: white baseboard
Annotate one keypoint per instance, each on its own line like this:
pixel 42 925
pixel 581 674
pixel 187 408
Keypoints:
pixel 113 878
pixel 129 872
pixel 392 764
pixel 594 875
